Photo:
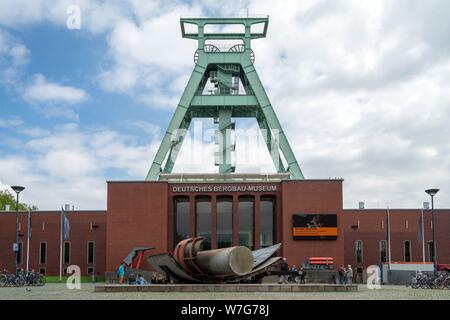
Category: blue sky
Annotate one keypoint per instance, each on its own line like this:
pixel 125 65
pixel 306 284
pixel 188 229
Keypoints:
pixel 361 89
pixel 73 58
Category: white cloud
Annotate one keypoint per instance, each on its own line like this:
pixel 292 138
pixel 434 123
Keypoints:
pixel 20 55
pixel 146 127
pixel 11 122
pixel 97 16
pixel 68 165
pixel 13 57
pixel 362 94
pixel 34 132
pixel 148 55
pixel 43 91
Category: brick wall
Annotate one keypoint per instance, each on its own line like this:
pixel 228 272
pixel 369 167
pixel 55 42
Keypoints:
pixel 46 228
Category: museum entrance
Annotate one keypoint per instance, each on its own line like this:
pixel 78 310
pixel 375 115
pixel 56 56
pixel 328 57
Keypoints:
pixel 226 220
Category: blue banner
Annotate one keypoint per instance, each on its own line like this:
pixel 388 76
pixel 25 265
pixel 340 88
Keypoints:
pixel 30 225
pixel 65 225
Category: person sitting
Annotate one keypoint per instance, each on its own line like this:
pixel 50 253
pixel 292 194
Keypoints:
pixel 140 280
pixel 132 278
pixel 294 274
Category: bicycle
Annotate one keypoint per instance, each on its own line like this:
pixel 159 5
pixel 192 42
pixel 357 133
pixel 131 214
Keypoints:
pixel 11 280
pixel 423 281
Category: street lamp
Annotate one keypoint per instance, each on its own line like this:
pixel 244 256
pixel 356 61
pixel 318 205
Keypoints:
pixel 432 193
pixel 17 190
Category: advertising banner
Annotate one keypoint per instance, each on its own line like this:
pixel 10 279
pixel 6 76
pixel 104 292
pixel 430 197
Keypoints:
pixel 314 227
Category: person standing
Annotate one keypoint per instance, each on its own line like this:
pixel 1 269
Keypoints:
pixel 293 274
pixel 284 269
pixel 121 272
pixel 341 272
pixel 349 274
pixel 302 275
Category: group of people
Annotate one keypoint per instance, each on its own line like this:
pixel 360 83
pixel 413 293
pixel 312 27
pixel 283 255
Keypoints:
pixel 132 279
pixel 345 274
pixel 288 278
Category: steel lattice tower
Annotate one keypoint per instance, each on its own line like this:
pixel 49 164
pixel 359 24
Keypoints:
pixel 237 92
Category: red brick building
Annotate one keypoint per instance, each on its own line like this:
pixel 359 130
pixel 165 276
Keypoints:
pixel 250 210
pixel 86 246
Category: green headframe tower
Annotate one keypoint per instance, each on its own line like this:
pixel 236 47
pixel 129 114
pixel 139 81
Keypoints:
pixel 225 85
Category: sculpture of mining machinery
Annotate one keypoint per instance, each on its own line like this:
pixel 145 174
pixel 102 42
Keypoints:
pixel 189 263
pixel 225 85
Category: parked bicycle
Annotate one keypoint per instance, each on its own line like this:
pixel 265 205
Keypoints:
pixel 10 280
pixel 21 279
pixel 33 278
pixel 424 281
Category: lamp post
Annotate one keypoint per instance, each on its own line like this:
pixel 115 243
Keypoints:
pixel 432 193
pixel 17 190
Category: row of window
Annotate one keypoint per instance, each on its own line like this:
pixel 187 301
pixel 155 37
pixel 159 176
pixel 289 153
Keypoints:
pixel 383 251
pixel 91 227
pixel 66 252
pixel 383 224
pixel 90 270
pixel 224 225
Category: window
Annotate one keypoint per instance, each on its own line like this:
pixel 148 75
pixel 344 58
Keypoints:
pixel 358 252
pixel 431 250
pixel 91 252
pixel 246 221
pixel 20 253
pixel 181 219
pixel 407 250
pixel 43 253
pixel 66 252
pixel 267 221
pixel 203 220
pixel 224 222
pixel 42 270
pixel 383 251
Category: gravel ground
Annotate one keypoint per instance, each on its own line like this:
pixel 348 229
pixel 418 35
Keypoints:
pixel 59 291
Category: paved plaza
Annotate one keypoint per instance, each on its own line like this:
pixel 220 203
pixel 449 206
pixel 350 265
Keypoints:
pixel 59 291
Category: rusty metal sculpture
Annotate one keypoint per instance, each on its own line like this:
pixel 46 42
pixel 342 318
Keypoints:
pixel 190 263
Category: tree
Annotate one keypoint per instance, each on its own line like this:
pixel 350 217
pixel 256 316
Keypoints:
pixel 7 197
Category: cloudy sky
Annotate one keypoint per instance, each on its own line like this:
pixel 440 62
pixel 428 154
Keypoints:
pixel 360 87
